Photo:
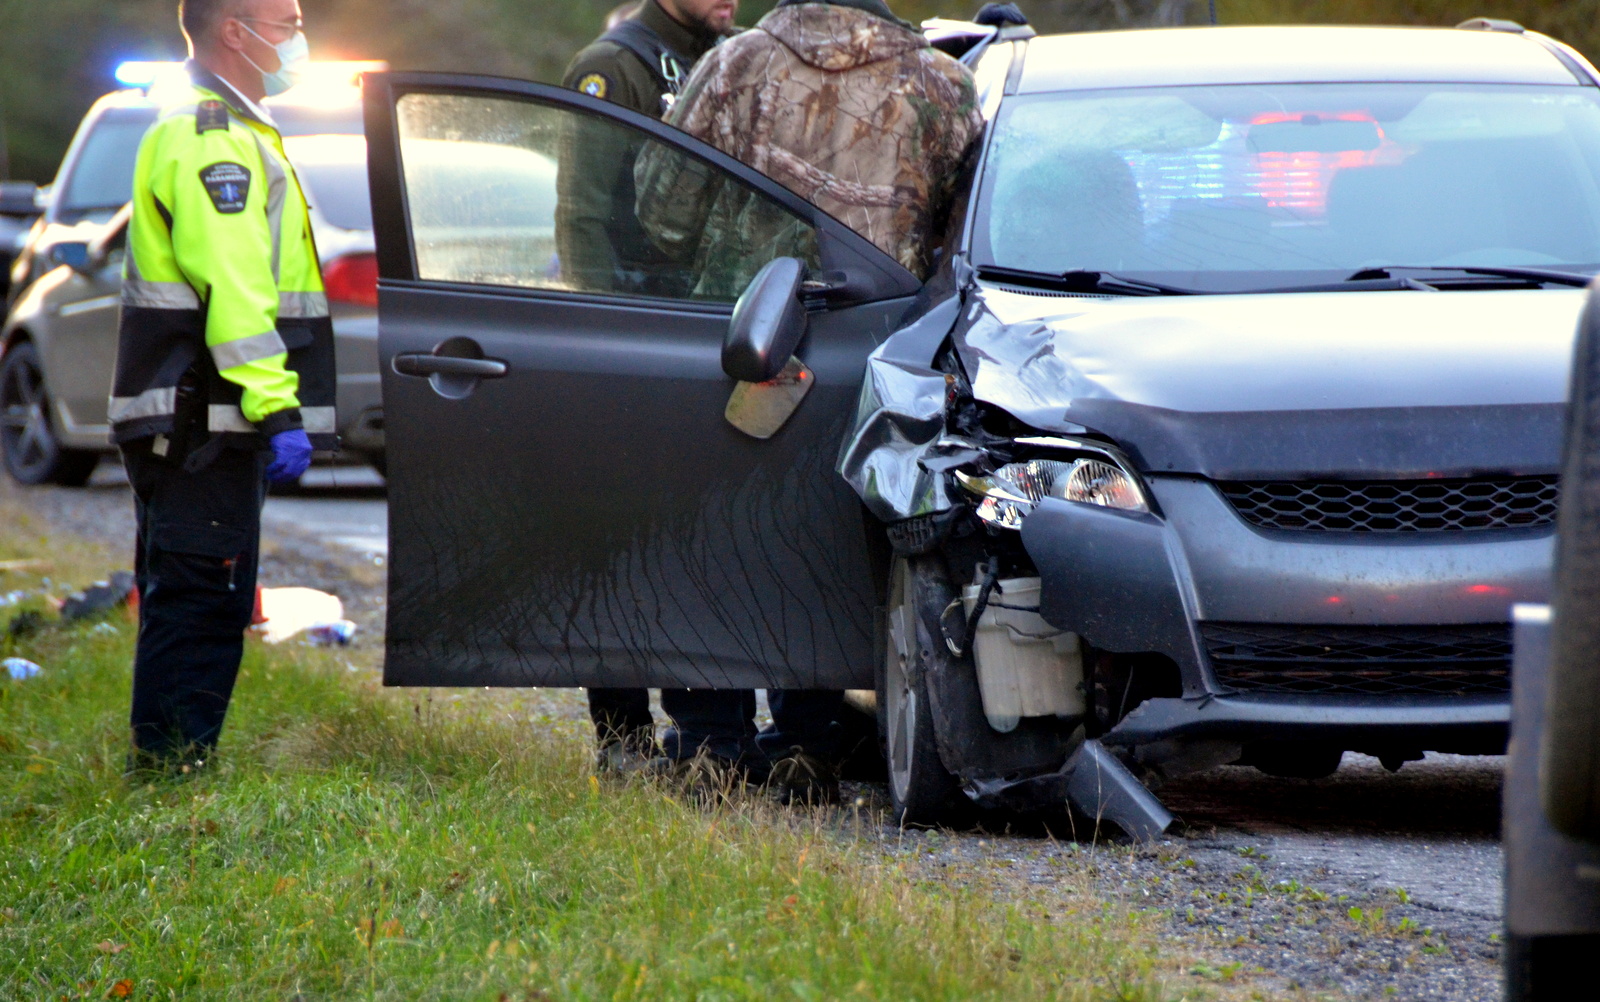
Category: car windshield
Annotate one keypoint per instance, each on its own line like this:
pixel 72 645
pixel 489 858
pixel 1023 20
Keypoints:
pixel 333 170
pixel 1241 187
pixel 102 178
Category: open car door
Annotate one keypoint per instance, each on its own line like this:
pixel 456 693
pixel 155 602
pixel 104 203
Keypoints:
pixel 568 504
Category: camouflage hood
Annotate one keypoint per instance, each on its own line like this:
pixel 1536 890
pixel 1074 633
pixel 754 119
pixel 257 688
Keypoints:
pixel 841 106
pixel 836 38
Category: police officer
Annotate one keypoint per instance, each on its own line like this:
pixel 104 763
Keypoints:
pixel 641 63
pixel 225 364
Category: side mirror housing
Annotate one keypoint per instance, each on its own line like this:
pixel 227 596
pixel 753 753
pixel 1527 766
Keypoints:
pixel 73 254
pixel 19 198
pixel 769 321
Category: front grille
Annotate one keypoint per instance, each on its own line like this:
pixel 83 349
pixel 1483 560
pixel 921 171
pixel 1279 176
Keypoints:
pixel 1367 660
pixel 1395 505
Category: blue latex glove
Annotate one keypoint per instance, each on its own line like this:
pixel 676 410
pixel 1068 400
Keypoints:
pixel 291 455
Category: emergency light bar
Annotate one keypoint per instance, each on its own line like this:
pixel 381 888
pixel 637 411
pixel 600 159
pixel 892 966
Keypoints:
pixel 150 74
pixel 143 74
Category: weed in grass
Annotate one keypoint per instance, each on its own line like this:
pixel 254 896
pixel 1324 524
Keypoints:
pixel 1369 920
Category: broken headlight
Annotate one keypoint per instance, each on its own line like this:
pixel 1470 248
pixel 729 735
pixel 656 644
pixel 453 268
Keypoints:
pixel 1011 492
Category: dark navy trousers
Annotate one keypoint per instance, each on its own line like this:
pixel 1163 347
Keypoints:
pixel 198 546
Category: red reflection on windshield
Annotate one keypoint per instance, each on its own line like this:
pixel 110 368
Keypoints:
pixel 1298 179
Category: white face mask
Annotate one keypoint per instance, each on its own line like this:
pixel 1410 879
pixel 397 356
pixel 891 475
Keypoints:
pixel 293 56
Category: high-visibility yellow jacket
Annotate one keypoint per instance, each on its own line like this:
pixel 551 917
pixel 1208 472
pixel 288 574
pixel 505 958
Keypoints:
pixel 222 283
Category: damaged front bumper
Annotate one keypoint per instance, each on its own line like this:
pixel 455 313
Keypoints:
pixel 1462 723
pixel 1142 583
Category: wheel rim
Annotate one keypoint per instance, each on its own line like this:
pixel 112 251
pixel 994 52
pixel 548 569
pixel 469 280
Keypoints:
pixel 902 697
pixel 24 422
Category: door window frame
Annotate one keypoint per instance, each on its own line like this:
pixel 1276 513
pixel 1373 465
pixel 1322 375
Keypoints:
pixel 874 275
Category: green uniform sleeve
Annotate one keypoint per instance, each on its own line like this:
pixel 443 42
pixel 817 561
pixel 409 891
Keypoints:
pixel 216 193
pixel 596 163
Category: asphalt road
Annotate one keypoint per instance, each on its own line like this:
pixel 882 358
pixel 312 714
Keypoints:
pixel 1419 847
pixel 343 505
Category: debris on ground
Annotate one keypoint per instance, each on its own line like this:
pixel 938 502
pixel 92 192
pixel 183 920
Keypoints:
pixel 20 668
pixel 29 564
pixel 290 611
pixel 101 597
pixel 339 632
pixel 25 624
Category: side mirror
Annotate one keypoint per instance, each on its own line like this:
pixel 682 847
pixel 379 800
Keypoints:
pixel 769 320
pixel 73 254
pixel 19 198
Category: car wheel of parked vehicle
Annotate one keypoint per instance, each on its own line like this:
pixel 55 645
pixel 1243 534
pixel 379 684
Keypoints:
pixel 921 791
pixel 1570 770
pixel 32 453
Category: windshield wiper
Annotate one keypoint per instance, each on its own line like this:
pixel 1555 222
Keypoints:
pixel 1540 275
pixel 1103 282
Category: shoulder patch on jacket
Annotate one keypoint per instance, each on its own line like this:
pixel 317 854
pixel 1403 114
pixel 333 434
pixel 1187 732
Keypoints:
pixel 595 85
pixel 228 184
pixel 210 116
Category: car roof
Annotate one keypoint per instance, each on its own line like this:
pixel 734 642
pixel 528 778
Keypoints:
pixel 1162 57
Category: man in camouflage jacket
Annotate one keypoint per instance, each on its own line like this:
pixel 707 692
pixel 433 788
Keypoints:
pixel 844 104
pixel 850 107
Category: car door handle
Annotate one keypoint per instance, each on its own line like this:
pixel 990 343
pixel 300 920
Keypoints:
pixel 418 364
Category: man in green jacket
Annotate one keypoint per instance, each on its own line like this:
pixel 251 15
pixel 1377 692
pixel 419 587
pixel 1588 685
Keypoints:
pixel 225 364
pixel 641 63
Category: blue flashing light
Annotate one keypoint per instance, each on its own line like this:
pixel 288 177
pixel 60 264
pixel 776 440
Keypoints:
pixel 144 73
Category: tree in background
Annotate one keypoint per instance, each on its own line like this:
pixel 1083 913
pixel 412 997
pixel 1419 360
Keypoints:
pixel 57 57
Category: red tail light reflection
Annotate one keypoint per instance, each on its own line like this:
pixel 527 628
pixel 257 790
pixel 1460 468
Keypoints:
pixel 352 279
pixel 1299 179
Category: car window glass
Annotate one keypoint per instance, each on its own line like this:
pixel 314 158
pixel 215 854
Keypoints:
pixel 333 170
pixel 507 192
pixel 102 177
pixel 1193 185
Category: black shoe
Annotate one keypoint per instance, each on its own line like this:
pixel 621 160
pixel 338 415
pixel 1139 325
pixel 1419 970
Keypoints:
pixel 624 759
pixel 707 778
pixel 801 778
pixel 146 767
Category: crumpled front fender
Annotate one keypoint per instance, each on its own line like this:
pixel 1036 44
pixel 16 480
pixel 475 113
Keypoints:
pixel 900 419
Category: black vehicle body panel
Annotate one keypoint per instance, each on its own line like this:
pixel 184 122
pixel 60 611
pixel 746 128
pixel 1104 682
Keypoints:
pixel 616 530
pixel 591 518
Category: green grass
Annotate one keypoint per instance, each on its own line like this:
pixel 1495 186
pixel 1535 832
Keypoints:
pixel 353 842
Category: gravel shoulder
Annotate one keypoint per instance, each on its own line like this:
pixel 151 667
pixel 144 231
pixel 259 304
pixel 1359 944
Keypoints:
pixel 1367 885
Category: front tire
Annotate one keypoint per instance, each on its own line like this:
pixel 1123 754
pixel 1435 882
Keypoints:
pixel 922 792
pixel 32 453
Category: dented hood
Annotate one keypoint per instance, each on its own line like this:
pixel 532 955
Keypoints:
pixel 1038 356
pixel 1357 385
pixel 1307 385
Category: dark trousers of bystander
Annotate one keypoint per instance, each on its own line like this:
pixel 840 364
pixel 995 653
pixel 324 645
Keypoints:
pixel 198 544
pixel 623 715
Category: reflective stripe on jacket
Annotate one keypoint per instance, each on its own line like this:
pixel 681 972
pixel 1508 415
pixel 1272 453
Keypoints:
pixel 221 281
